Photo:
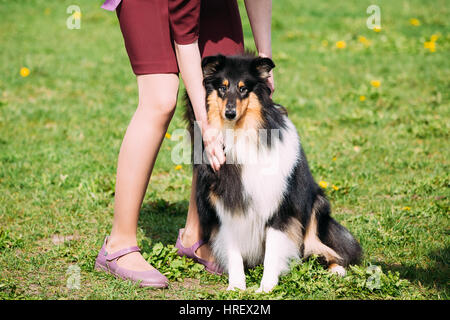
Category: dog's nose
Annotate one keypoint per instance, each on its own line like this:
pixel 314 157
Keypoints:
pixel 230 112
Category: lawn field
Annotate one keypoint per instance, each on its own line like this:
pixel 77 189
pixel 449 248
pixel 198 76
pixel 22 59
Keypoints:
pixel 371 106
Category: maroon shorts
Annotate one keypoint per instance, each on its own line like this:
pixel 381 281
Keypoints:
pixel 150 27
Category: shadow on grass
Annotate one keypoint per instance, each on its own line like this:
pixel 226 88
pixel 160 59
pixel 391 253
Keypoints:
pixel 437 275
pixel 161 220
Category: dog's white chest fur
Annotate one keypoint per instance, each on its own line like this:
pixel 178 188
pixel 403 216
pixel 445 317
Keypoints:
pixel 264 174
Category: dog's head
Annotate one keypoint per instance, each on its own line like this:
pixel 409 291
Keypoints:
pixel 233 82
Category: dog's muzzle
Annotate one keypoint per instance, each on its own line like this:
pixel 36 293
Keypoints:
pixel 230 112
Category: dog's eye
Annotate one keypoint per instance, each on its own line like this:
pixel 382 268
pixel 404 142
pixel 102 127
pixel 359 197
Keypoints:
pixel 243 89
pixel 222 89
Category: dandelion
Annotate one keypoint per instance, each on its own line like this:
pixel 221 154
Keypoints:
pixel 375 83
pixel 341 44
pixel 406 208
pixel 24 72
pixel 334 159
pixel 377 28
pixel 323 184
pixel 434 37
pixel 430 45
pixel 178 167
pixel 362 98
pixel 335 188
pixel 168 135
pixel 414 22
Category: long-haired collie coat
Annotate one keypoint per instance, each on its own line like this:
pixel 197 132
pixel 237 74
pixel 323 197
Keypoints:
pixel 263 205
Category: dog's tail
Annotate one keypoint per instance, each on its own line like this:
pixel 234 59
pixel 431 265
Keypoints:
pixel 326 237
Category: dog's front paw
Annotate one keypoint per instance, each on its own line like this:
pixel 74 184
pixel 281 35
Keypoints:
pixel 234 286
pixel 337 269
pixel 267 286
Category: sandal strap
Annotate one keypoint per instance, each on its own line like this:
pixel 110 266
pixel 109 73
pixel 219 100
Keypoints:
pixel 195 246
pixel 121 253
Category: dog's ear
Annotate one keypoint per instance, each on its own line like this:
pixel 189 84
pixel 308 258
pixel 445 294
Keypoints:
pixel 212 64
pixel 262 66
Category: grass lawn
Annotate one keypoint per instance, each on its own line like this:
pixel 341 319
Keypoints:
pixel 372 109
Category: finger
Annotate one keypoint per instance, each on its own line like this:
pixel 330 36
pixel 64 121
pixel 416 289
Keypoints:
pixel 218 152
pixel 212 158
pixel 211 163
pixel 220 137
pixel 216 164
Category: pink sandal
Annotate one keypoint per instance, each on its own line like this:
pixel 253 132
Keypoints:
pixel 108 263
pixel 210 266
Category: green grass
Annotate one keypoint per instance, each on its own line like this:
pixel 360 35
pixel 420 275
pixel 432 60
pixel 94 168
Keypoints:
pixel 61 129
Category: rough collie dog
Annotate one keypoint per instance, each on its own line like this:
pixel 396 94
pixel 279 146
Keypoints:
pixel 263 205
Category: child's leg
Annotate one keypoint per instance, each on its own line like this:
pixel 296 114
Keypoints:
pixel 192 230
pixel 140 146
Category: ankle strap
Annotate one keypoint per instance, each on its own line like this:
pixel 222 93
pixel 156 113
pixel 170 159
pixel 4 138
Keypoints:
pixel 195 246
pixel 121 253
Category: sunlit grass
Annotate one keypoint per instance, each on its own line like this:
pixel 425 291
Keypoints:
pixel 372 112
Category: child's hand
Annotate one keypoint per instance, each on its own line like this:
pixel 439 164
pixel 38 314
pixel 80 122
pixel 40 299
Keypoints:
pixel 213 140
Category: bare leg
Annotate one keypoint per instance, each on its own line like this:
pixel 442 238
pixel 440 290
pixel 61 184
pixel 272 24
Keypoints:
pixel 140 146
pixel 192 231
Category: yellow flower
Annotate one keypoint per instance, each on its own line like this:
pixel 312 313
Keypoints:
pixel 77 15
pixel 323 184
pixel 335 188
pixel 24 72
pixel 377 29
pixel 334 159
pixel 430 45
pixel 406 208
pixel 178 167
pixel 375 83
pixel 168 135
pixel 362 98
pixel 341 44
pixel 414 22
pixel 434 37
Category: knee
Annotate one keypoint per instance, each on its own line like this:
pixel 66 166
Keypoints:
pixel 161 106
